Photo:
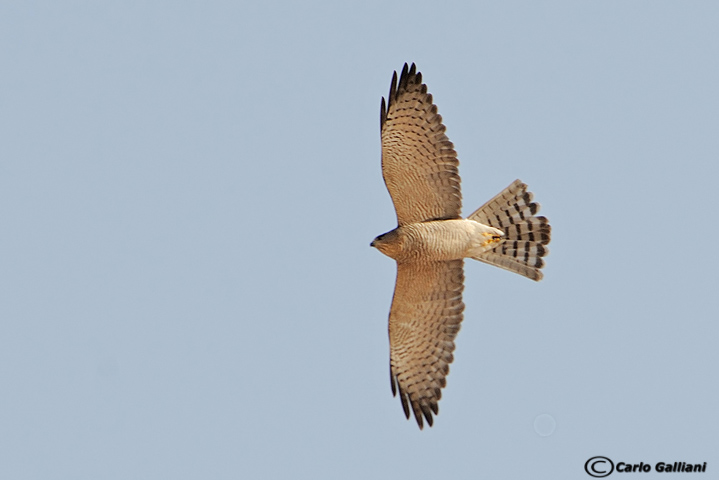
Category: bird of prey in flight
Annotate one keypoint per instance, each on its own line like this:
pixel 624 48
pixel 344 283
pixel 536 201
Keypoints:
pixel 431 241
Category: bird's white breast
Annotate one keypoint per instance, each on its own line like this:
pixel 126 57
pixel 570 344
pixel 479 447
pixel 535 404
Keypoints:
pixel 448 239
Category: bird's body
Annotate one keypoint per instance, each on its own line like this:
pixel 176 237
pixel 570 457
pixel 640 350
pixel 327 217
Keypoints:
pixel 431 241
pixel 440 240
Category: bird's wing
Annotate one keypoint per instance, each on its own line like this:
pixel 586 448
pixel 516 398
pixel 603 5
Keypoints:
pixel 419 164
pixel 423 321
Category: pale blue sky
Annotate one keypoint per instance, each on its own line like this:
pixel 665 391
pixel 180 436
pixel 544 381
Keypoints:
pixel 187 195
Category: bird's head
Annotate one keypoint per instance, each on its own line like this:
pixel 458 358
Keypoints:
pixel 389 243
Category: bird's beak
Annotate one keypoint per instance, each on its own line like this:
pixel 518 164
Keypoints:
pixel 372 244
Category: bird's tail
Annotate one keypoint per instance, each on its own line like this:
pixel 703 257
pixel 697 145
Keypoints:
pixel 525 235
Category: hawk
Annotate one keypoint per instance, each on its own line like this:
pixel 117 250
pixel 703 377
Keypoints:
pixel 431 241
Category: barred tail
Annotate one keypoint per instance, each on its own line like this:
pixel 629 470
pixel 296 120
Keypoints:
pixel 525 235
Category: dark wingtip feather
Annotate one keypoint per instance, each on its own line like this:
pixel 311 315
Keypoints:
pixel 392 382
pixel 392 90
pixel 405 405
pixel 418 414
pixel 414 75
pixel 427 412
pixel 403 79
pixel 382 114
